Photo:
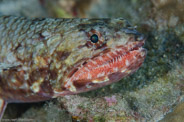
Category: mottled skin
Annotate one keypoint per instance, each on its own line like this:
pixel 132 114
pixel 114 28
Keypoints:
pixel 45 58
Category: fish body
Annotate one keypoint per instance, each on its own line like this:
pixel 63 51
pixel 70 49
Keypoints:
pixel 45 58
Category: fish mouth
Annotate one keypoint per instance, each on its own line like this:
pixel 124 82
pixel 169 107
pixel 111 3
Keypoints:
pixel 108 66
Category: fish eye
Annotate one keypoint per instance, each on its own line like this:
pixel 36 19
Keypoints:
pixel 94 38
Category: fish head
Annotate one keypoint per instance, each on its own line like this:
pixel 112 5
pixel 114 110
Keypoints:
pixel 101 52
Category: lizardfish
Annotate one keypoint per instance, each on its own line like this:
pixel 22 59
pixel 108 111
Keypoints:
pixel 45 58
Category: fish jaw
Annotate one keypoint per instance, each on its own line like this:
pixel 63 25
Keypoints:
pixel 107 67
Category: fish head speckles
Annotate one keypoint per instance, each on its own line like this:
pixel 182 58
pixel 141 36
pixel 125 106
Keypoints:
pixel 101 52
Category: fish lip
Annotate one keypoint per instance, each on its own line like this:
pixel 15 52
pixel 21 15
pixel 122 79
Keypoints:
pixel 139 45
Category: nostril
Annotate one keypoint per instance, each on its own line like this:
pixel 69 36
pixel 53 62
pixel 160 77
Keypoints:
pixel 139 37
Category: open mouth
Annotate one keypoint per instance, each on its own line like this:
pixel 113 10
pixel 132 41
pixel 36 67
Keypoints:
pixel 99 68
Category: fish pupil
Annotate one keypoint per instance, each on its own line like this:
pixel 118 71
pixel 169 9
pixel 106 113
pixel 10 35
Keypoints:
pixel 94 38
